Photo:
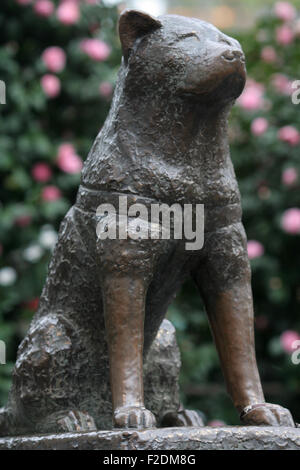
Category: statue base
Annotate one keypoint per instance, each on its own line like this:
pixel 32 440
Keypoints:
pixel 206 438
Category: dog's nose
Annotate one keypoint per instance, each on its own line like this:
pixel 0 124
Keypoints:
pixel 232 55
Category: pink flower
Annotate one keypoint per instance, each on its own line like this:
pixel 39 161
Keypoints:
pixel 255 249
pixel 268 54
pixel 96 49
pixel 51 85
pixel 282 84
pixel 41 172
pixel 284 35
pixel 287 340
pixel 51 193
pixel 105 89
pixel 285 11
pixel 289 176
pixel 259 126
pixel 71 164
pixel 291 221
pixel 68 12
pixel 290 135
pixel 68 160
pixel 252 97
pixel 44 8
pixel 66 149
pixel 54 58
pixel 216 423
pixel 23 220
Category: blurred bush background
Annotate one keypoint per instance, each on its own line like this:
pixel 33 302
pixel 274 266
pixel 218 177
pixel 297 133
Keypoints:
pixel 59 61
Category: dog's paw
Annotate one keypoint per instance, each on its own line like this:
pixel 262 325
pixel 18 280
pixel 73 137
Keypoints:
pixel 267 414
pixel 134 417
pixel 76 421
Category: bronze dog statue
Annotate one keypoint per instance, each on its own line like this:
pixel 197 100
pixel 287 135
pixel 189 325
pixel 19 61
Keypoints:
pixel 164 140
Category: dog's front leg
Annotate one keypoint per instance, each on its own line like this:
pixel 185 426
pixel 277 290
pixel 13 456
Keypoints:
pixel 124 309
pixel 225 283
pixel 125 271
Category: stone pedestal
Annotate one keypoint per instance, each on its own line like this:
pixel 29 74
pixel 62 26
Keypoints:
pixel 206 438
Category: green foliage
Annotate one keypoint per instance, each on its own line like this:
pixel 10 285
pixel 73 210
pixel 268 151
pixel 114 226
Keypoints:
pixel 33 126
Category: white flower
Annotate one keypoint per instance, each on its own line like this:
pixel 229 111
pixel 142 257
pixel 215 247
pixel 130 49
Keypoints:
pixel 7 276
pixel 32 253
pixel 48 238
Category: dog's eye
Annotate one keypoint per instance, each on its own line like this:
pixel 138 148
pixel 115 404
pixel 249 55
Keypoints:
pixel 191 34
pixel 225 41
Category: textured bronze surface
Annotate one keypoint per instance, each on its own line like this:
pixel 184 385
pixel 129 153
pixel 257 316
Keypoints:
pixel 164 140
pixel 225 438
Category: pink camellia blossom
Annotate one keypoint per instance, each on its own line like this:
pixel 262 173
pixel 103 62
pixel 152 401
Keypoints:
pixel 268 54
pixel 51 85
pixel 66 149
pixel 252 97
pixel 284 35
pixel 290 135
pixel 68 160
pixel 287 340
pixel 68 12
pixel 255 249
pixel 96 49
pixel 105 89
pixel 285 11
pixel 41 172
pixel 289 176
pixel 54 58
pixel 259 126
pixel 51 193
pixel 71 164
pixel 216 423
pixel 282 84
pixel 291 221
pixel 44 8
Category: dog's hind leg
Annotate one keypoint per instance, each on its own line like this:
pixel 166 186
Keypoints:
pixel 56 380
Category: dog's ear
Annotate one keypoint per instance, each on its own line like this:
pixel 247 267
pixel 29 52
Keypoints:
pixel 134 24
